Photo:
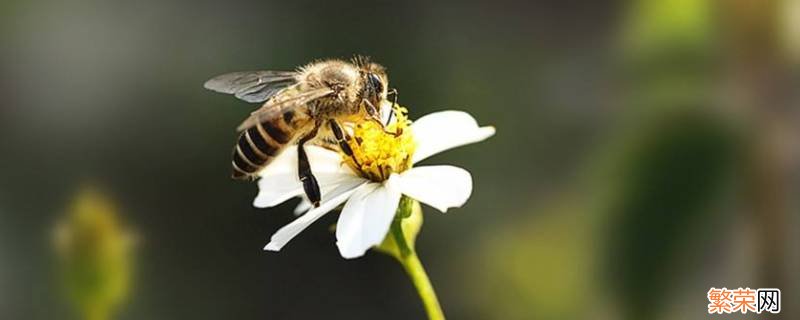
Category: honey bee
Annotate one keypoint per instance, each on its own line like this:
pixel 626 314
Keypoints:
pixel 309 104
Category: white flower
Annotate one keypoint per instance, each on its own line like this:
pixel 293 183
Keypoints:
pixel 370 202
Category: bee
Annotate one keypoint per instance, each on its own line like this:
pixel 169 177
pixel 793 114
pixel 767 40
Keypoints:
pixel 309 104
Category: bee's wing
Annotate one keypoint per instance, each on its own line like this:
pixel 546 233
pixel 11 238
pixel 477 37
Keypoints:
pixel 252 86
pixel 275 108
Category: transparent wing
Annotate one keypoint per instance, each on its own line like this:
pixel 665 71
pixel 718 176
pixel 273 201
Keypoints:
pixel 252 86
pixel 279 106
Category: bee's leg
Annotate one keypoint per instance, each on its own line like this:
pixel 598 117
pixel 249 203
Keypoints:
pixel 310 184
pixel 393 92
pixel 375 116
pixel 341 139
pixel 372 112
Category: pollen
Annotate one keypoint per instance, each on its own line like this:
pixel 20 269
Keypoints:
pixel 379 151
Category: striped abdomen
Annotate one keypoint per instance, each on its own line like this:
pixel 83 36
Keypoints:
pixel 260 144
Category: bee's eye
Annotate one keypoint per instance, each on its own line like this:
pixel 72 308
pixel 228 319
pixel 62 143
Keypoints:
pixel 375 83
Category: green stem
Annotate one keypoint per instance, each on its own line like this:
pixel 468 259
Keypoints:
pixel 410 261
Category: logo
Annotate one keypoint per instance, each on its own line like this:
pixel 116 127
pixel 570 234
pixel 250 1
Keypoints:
pixel 744 300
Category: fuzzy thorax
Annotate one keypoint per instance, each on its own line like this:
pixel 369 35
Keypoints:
pixel 380 151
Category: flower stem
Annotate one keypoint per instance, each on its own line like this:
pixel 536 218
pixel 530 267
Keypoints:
pixel 410 261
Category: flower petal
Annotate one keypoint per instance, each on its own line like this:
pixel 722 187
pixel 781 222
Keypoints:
pixel 321 159
pixel 334 199
pixel 386 111
pixel 441 187
pixel 365 219
pixel 279 181
pixel 302 207
pixel 444 130
pixel 276 189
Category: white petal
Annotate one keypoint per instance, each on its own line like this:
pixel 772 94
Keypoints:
pixel 279 181
pixel 276 189
pixel 444 130
pixel 302 207
pixel 386 111
pixel 441 187
pixel 321 159
pixel 365 219
pixel 335 198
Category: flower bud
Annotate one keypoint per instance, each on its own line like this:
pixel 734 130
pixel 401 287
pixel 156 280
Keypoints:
pixel 93 250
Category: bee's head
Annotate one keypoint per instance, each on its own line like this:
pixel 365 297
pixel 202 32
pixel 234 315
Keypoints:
pixel 375 87
pixel 374 84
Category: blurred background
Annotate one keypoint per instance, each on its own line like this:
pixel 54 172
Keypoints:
pixel 647 150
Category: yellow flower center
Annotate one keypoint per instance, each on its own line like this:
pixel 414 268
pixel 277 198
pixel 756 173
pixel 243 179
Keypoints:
pixel 379 151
